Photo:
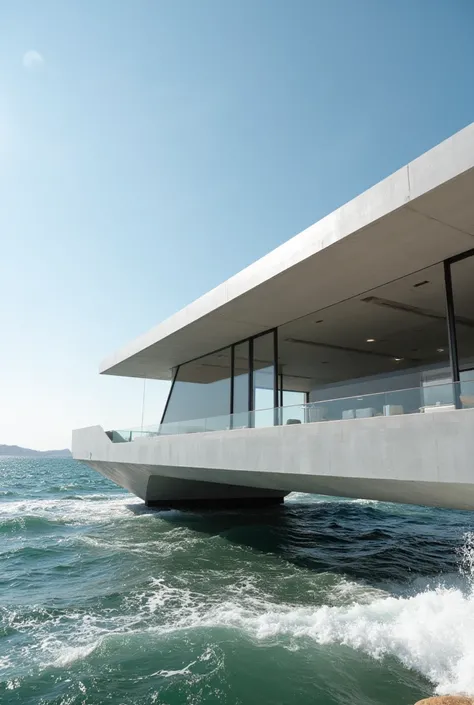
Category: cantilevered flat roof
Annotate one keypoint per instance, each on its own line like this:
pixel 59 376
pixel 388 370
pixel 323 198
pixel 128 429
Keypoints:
pixel 417 217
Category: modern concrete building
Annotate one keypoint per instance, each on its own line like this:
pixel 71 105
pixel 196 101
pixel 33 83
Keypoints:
pixel 341 363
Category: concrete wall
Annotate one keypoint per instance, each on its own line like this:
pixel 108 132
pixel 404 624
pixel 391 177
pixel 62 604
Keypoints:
pixel 420 458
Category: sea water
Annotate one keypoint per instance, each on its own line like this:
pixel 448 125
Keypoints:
pixel 318 601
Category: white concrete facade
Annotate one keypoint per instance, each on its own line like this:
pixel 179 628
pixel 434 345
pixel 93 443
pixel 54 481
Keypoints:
pixel 418 459
pixel 416 221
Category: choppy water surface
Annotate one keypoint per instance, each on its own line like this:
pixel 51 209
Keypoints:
pixel 318 601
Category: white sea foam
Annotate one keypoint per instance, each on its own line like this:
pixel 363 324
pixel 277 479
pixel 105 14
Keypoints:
pixel 68 654
pixel 364 501
pixel 466 556
pixel 297 497
pixel 5 662
pixel 179 672
pixel 72 511
pixel 430 631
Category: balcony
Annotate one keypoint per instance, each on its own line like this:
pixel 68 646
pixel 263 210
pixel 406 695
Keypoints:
pixel 430 398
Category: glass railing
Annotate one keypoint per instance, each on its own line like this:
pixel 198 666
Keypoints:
pixel 430 398
pixel 131 434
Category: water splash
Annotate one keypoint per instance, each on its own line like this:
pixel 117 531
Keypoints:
pixel 190 577
pixel 466 557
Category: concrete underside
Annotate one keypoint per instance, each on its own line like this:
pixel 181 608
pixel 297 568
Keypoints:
pixel 423 459
pixel 158 490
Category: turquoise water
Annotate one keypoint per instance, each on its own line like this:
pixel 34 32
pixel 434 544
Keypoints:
pixel 318 601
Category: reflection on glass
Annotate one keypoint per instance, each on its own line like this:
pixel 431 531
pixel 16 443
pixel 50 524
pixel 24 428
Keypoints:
pixel 201 391
pixel 264 380
pixel 431 398
pixel 466 393
pixel 462 274
pixel 293 409
pixel 240 418
pixel 390 338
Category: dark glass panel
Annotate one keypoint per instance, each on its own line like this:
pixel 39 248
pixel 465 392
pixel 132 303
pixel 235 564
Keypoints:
pixel 241 385
pixel 393 337
pixel 264 379
pixel 201 394
pixel 462 274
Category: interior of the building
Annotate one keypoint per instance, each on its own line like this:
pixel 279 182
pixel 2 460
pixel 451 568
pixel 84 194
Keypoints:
pixel 386 350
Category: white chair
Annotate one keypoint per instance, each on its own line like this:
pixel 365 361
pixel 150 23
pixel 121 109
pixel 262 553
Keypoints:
pixel 365 413
pixel 349 414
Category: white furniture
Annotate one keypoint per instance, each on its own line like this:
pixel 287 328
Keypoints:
pixel 392 409
pixel 348 414
pixel 365 413
pixel 437 407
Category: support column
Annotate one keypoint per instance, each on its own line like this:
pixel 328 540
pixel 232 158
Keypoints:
pixel 169 395
pixel 251 399
pixel 232 374
pixel 276 404
pixel 452 335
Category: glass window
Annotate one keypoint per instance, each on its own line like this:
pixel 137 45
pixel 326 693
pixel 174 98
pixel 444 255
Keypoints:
pixel 390 338
pixel 462 274
pixel 240 416
pixel 264 379
pixel 200 397
pixel 294 406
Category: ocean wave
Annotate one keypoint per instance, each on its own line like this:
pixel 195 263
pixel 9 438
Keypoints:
pixel 67 655
pixel 84 509
pixel 18 524
pixel 169 544
pixel 430 632
pixel 426 624
pixel 297 497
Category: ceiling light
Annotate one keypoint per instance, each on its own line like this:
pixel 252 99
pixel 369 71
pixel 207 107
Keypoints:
pixel 398 359
pixel 340 348
pixel 439 349
pixel 425 281
pixel 370 340
pixel 319 321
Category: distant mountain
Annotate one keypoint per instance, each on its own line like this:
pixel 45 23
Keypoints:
pixel 20 452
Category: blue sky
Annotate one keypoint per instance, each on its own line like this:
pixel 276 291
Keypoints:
pixel 151 149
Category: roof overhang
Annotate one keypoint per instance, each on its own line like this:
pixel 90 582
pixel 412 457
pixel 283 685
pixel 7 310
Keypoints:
pixel 417 217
